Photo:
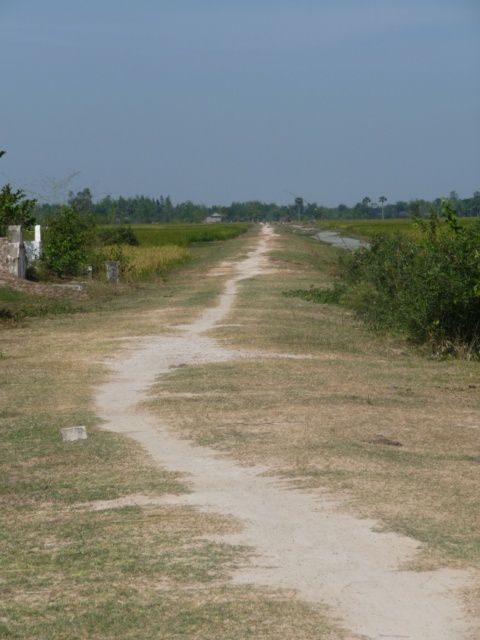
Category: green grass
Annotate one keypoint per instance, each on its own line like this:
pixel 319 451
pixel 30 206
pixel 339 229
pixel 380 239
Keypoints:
pixel 319 296
pixel 185 234
pixel 15 305
pixel 365 229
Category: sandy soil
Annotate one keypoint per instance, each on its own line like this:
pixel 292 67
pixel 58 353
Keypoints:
pixel 302 541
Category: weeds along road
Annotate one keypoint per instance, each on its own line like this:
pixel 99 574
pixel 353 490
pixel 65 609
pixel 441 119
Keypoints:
pixel 176 391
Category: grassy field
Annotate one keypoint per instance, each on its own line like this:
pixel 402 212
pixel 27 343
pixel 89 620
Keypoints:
pixel 185 234
pixel 146 262
pixel 396 434
pixel 365 229
pixel 72 570
pixel 328 422
pixel 15 304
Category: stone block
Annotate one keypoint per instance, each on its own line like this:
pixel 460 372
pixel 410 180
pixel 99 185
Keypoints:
pixel 113 271
pixel 73 434
pixel 15 233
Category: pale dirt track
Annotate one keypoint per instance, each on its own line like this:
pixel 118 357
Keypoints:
pixel 302 542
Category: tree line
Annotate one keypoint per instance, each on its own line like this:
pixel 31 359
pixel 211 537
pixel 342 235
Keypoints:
pixel 161 210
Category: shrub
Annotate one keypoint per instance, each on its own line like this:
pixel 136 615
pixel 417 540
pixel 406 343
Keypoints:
pixel 68 242
pixel 428 288
pixel 15 209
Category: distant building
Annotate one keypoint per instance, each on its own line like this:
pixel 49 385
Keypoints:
pixel 215 217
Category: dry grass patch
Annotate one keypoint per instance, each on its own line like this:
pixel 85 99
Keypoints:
pixel 142 263
pixel 330 421
pixel 133 571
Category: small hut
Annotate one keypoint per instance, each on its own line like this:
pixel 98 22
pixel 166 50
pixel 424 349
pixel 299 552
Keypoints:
pixel 215 217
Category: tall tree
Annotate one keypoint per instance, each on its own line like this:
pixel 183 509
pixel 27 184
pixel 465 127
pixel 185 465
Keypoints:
pixel 82 201
pixel 382 200
pixel 366 202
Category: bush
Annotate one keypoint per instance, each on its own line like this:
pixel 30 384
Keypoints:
pixel 428 288
pixel 68 241
pixel 15 209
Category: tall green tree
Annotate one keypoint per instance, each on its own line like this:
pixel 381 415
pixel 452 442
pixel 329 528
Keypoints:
pixel 81 201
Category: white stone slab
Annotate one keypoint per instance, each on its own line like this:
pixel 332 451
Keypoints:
pixel 72 434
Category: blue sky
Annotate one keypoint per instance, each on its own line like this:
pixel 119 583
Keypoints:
pixel 227 100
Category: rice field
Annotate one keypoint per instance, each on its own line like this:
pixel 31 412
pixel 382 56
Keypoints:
pixel 183 235
pixel 142 263
pixel 164 247
pixel 367 228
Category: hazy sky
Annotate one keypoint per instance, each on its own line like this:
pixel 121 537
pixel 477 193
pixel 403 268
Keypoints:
pixel 221 100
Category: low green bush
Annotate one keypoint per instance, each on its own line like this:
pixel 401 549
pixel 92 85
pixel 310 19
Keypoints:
pixel 428 287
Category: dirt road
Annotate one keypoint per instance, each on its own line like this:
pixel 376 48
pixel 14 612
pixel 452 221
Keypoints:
pixel 302 542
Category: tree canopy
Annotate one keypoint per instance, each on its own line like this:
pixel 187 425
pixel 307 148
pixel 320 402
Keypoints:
pixel 144 209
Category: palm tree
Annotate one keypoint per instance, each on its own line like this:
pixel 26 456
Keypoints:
pixel 366 202
pixel 382 200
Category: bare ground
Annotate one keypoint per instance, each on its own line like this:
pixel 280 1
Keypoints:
pixel 303 542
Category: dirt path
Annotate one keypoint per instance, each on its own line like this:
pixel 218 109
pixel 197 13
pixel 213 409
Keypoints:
pixel 302 542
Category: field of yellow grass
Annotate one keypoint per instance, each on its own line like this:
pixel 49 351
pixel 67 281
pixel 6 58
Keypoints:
pixel 142 263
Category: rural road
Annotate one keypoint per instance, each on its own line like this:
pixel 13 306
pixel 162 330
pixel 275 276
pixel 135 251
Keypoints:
pixel 302 542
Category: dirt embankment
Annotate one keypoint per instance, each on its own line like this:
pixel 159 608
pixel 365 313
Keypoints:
pixel 303 542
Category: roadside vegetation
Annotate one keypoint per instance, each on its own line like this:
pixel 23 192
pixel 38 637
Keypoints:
pixel 153 251
pixel 71 274
pixel 73 241
pixel 425 283
pixel 16 304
